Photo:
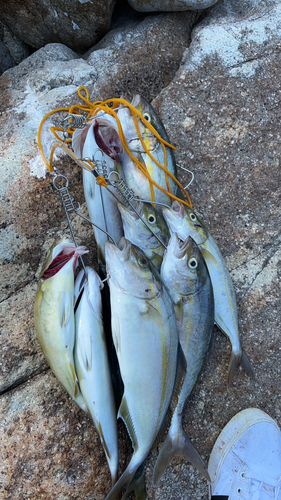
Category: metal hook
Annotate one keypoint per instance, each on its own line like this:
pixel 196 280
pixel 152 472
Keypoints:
pixel 68 205
pixel 73 121
pixel 128 195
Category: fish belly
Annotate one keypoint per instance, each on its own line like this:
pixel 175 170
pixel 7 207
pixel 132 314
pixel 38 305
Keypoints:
pixel 226 316
pixel 54 317
pixel 93 373
pixel 147 353
pixel 103 212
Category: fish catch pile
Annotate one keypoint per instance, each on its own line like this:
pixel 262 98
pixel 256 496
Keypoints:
pixel 163 279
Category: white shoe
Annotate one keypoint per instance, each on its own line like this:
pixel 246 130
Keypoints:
pixel 245 462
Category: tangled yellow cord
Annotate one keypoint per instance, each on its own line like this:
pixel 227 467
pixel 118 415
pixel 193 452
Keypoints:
pixel 92 109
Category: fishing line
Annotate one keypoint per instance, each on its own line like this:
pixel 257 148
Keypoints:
pixel 110 106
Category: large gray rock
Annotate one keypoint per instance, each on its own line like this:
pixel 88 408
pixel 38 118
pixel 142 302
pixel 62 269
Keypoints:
pixel 6 60
pixel 78 24
pixel 170 5
pixel 222 113
pixel 18 50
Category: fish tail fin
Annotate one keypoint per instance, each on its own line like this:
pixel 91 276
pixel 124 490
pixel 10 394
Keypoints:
pixel 172 447
pixel 137 485
pixel 126 477
pixel 237 359
pixel 245 363
pixel 114 473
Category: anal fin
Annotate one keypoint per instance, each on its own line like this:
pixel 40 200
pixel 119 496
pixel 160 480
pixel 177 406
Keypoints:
pixel 124 413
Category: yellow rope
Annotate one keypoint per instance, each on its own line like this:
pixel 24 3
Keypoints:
pixel 92 109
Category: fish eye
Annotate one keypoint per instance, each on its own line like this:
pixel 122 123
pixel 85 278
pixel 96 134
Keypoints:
pixel 142 262
pixel 147 117
pixel 192 263
pixel 193 217
pixel 151 218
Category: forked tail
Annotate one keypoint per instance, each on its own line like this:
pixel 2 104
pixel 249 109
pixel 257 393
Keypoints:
pixel 179 444
pixel 235 361
pixel 126 478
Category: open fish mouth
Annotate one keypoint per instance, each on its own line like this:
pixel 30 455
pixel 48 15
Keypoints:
pixel 121 252
pixel 181 246
pixel 61 259
pixel 107 139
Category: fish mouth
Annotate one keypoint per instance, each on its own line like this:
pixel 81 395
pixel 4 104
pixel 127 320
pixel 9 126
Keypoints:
pixel 181 246
pixel 128 212
pixel 177 207
pixel 107 139
pixel 124 246
pixel 61 258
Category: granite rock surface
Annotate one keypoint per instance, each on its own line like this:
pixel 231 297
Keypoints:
pixel 77 24
pixel 220 105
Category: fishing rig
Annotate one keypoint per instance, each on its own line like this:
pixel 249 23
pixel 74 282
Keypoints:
pixel 96 165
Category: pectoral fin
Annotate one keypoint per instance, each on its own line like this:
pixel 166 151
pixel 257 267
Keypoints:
pixel 85 348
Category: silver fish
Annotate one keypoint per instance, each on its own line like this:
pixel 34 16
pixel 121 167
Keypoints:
pixel 92 366
pixel 185 275
pixel 135 179
pixel 137 233
pixel 54 314
pixel 146 342
pixel 185 222
pixel 102 206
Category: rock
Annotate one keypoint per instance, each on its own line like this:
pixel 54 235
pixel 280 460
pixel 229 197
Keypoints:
pixel 170 5
pixel 49 447
pixel 6 61
pixel 222 113
pixel 140 57
pixel 79 25
pixel 18 50
pixel 221 110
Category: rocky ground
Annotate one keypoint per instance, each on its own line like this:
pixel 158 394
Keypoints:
pixel 214 79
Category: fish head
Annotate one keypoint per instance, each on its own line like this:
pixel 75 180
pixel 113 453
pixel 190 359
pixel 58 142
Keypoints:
pixel 184 222
pixel 139 233
pixel 183 267
pixel 61 253
pixel 130 270
pixel 133 126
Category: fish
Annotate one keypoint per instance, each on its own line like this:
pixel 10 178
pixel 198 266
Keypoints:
pixel 54 314
pixel 92 365
pixel 139 234
pixel 185 222
pixel 102 206
pixel 146 342
pixel 186 276
pixel 134 178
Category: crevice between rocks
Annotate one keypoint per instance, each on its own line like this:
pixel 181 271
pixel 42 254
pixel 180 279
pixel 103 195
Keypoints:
pixel 22 380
